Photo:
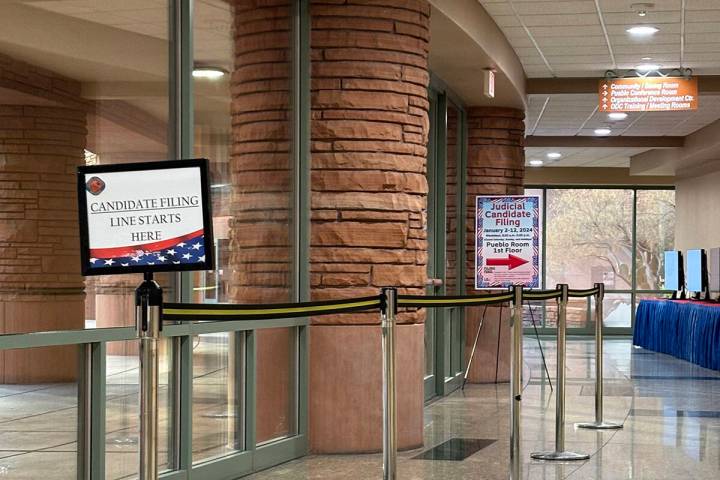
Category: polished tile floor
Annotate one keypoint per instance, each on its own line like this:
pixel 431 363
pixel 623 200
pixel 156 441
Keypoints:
pixel 670 410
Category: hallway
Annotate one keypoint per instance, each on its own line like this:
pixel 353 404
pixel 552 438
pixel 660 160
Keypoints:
pixel 669 407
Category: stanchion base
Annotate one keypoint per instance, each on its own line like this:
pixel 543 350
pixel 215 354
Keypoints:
pixel 559 456
pixel 599 425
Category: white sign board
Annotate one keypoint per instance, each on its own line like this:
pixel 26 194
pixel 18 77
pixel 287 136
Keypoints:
pixel 507 241
pixel 145 217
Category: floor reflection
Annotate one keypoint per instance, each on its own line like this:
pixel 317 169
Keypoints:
pixel 669 407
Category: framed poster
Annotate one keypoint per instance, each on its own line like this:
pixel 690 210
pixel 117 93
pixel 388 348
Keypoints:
pixel 507 241
pixel 145 217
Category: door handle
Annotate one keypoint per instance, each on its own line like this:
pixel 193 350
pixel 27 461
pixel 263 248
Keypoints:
pixel 434 282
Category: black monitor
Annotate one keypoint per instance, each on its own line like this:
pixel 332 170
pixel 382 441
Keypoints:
pixel 697 274
pixel 674 273
pixel 714 269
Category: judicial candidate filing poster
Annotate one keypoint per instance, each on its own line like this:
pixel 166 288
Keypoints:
pixel 145 217
pixel 507 241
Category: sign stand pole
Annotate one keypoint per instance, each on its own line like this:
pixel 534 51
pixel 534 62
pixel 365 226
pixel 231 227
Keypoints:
pixel 388 312
pixel 148 302
pixel 599 424
pixel 516 359
pixel 560 454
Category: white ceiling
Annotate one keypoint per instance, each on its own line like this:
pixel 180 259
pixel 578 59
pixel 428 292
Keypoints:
pixel 567 38
pixel 583 157
pixel 585 38
pixel 577 114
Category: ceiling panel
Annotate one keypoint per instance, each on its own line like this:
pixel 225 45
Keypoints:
pixel 583 157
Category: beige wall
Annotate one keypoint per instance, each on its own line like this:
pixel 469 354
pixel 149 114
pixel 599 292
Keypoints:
pixel 697 203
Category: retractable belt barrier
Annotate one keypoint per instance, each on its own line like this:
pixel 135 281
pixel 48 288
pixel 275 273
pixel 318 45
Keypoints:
pixel 232 312
pixel 387 303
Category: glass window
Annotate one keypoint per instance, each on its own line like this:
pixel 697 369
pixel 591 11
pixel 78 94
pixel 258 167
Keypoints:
pixel 589 237
pixel 243 113
pixel 39 414
pixel 87 83
pixel 655 234
pixel 122 377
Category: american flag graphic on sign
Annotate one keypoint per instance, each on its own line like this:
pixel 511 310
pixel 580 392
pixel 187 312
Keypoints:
pixel 187 249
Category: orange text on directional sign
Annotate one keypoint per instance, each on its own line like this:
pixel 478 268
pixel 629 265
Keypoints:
pixel 648 94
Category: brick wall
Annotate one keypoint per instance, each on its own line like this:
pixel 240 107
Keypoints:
pixel 495 164
pixel 40 282
pixel 369 134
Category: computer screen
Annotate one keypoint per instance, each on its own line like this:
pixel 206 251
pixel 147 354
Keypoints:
pixel 672 270
pixel 695 271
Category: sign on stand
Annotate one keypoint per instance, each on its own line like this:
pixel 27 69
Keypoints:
pixel 145 217
pixel 648 94
pixel 507 241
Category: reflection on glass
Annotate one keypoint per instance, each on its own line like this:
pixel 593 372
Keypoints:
pixel 244 125
pixel 452 317
pixel 617 310
pixel 83 84
pixel 578 313
pixel 451 200
pixel 38 416
pixel 655 234
pixel 122 397
pixel 276 396
pixel 429 344
pixel 590 237
pixel 218 365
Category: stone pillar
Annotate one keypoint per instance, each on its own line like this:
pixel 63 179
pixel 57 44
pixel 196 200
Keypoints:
pixel 40 284
pixel 261 212
pixel 495 166
pixel 369 135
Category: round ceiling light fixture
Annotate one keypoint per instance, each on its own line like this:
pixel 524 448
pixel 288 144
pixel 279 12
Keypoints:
pixel 642 30
pixel 617 116
pixel 647 67
pixel 536 163
pixel 642 8
pixel 602 132
pixel 211 73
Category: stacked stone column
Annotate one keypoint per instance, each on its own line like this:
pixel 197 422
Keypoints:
pixel 40 284
pixel 369 135
pixel 495 166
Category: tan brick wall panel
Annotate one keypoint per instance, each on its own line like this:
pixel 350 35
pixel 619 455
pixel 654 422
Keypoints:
pixel 369 136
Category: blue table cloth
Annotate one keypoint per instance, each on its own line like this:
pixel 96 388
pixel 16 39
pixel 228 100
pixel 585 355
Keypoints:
pixel 686 330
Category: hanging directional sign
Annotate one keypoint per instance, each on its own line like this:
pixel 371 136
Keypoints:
pixel 507 241
pixel 145 217
pixel 648 94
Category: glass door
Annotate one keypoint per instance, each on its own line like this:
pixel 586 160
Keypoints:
pixel 445 225
pixel 433 282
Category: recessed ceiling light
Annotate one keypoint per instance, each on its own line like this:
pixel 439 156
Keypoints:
pixel 642 30
pixel 602 132
pixel 554 155
pixel 208 72
pixel 536 163
pixel 617 116
pixel 647 67
pixel 645 59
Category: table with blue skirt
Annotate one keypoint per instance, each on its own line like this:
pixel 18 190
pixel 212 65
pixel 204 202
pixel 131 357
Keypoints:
pixel 684 329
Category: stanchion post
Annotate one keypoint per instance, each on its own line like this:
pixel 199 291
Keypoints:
pixel 388 312
pixel 560 453
pixel 516 359
pixel 599 423
pixel 148 302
